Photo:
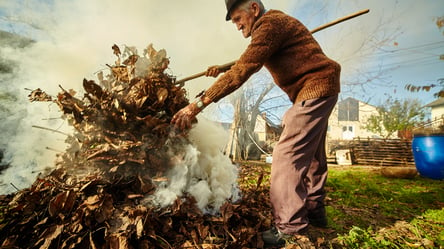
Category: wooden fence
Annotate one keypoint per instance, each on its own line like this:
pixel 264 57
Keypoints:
pixel 382 152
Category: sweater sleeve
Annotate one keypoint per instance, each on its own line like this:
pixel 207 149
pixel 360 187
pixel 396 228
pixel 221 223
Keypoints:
pixel 266 38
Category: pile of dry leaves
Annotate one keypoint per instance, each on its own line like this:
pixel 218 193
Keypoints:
pixel 116 158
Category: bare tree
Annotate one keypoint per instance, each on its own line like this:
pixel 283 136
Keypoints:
pixel 247 106
pixel 255 99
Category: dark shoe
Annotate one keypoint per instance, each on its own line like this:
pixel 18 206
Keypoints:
pixel 274 238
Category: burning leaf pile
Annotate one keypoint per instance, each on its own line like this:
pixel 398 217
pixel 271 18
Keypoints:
pixel 125 123
pixel 102 194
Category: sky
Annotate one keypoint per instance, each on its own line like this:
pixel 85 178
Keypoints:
pixel 397 43
pixel 402 45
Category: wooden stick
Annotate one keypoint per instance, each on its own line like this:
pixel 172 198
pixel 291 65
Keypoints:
pixel 230 64
pixel 49 129
pixel 12 184
pixel 337 21
pixel 194 76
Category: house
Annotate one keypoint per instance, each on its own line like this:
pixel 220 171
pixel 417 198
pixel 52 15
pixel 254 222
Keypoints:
pixel 251 145
pixel 348 119
pixel 437 108
pixel 437 120
pixel 267 133
pixel 346 122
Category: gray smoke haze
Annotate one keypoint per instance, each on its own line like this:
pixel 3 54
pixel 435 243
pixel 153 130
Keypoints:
pixel 73 41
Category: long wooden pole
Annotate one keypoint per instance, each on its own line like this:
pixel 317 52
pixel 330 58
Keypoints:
pixel 230 64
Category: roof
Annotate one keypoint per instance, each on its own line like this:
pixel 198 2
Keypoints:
pixel 438 102
pixel 270 123
pixel 351 99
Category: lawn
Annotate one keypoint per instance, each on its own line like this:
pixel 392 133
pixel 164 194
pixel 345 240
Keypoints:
pixel 368 210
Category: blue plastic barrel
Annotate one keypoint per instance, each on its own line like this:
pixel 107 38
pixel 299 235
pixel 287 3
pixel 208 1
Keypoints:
pixel 428 152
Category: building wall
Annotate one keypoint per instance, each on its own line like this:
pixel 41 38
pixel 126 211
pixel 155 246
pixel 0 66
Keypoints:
pixel 338 128
pixel 437 112
pixel 347 130
pixel 260 129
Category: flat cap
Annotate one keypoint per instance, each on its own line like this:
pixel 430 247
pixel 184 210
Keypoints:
pixel 230 4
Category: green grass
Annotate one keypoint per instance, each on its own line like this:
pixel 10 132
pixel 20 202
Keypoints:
pixel 426 231
pixel 369 210
pixel 363 197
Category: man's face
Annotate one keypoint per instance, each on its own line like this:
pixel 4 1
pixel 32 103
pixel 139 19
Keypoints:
pixel 244 20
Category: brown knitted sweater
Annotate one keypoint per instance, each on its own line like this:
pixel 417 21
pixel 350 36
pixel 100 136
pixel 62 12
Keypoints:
pixel 291 54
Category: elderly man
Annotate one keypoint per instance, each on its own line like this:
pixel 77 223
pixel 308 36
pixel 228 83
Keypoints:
pixel 311 80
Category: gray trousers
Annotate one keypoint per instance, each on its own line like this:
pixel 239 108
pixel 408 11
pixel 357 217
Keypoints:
pixel 299 167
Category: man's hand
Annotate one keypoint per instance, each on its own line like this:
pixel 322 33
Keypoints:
pixel 213 71
pixel 184 118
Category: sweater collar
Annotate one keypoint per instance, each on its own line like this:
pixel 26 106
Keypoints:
pixel 267 13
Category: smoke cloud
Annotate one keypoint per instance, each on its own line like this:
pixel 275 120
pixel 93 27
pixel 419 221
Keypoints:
pixel 73 41
pixel 204 172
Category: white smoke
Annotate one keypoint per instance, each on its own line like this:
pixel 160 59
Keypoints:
pixel 203 172
pixel 28 151
pixel 73 40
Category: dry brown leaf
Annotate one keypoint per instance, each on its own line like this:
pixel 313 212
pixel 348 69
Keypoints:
pixel 139 228
pixel 92 200
pixel 162 95
pixel 49 235
pixel 118 241
pixel 92 88
pixel 62 203
pixel 106 209
pixel 131 61
pixel 116 50
pixel 39 95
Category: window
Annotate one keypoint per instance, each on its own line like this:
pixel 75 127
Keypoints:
pixel 348 132
pixel 348 110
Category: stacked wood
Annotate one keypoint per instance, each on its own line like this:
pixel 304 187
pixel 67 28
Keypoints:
pixel 382 152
